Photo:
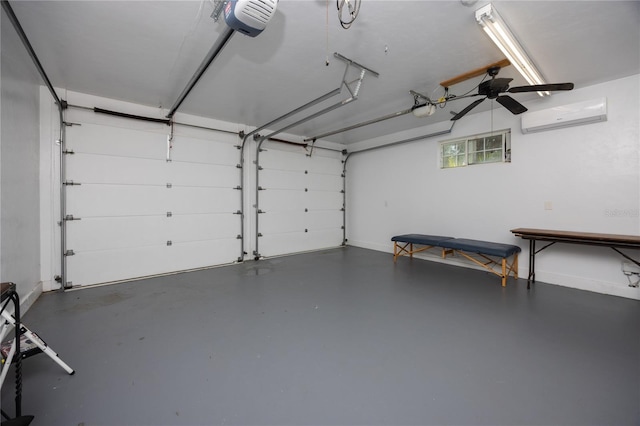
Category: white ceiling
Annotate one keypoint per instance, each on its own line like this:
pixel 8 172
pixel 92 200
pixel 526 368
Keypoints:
pixel 146 51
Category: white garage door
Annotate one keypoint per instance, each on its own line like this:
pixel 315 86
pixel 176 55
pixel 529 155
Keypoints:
pixel 141 215
pixel 301 201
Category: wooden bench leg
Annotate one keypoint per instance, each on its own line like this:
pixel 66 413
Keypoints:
pixel 504 272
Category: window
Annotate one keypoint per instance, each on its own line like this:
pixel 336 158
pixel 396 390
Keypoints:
pixel 491 147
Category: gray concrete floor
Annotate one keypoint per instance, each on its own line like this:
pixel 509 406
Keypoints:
pixel 340 337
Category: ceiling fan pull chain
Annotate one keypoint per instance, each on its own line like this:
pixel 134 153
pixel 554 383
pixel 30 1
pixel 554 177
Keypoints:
pixel 492 104
pixel 326 62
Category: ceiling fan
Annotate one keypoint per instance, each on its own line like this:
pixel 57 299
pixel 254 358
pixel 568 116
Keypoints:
pixel 496 87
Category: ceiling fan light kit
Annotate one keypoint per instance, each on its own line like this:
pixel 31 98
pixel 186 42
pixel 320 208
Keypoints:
pixel 495 27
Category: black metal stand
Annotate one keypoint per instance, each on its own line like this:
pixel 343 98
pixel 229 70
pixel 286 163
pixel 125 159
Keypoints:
pixel 9 294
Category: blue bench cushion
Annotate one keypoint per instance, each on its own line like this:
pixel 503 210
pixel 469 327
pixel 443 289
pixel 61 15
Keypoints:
pixel 427 240
pixel 483 247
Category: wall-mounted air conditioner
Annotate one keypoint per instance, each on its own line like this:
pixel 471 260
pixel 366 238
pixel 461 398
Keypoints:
pixel 591 111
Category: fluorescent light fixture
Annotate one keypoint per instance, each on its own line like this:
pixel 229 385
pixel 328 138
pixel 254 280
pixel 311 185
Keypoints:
pixel 498 31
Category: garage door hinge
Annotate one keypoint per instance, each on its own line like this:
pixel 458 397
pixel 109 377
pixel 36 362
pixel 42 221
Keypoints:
pixel 239 188
pixel 259 235
pixel 69 124
pixel 68 151
pixel 261 188
pixel 238 166
pixel 71 183
pixel 238 237
pixel 169 185
pixel 69 253
pixel 70 217
pixel 169 214
pixel 261 211
pixel 238 212
pixel 169 243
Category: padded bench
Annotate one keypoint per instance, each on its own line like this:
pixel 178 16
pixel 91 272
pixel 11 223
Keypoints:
pixel 478 252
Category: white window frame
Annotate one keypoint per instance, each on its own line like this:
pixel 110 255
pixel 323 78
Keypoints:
pixel 466 154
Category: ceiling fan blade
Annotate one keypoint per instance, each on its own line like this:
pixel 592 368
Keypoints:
pixel 462 113
pixel 542 88
pixel 511 104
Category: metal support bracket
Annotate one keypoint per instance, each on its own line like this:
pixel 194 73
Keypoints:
pixel 71 183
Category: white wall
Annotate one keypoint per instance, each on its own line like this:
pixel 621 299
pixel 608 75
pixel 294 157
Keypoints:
pixel 589 174
pixel 19 165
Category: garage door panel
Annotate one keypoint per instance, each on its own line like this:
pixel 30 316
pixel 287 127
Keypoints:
pixel 94 267
pixel 279 179
pixel 328 165
pixel 322 220
pixel 117 200
pixel 125 200
pixel 321 200
pixel 112 233
pixel 279 222
pixel 141 215
pixel 192 200
pixel 219 151
pixel 85 168
pixel 278 244
pixel 326 238
pixel 116 141
pixel 301 194
pixel 200 227
pixel 279 200
pixel 199 174
pixel 324 182
pixel 198 254
pixel 283 160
